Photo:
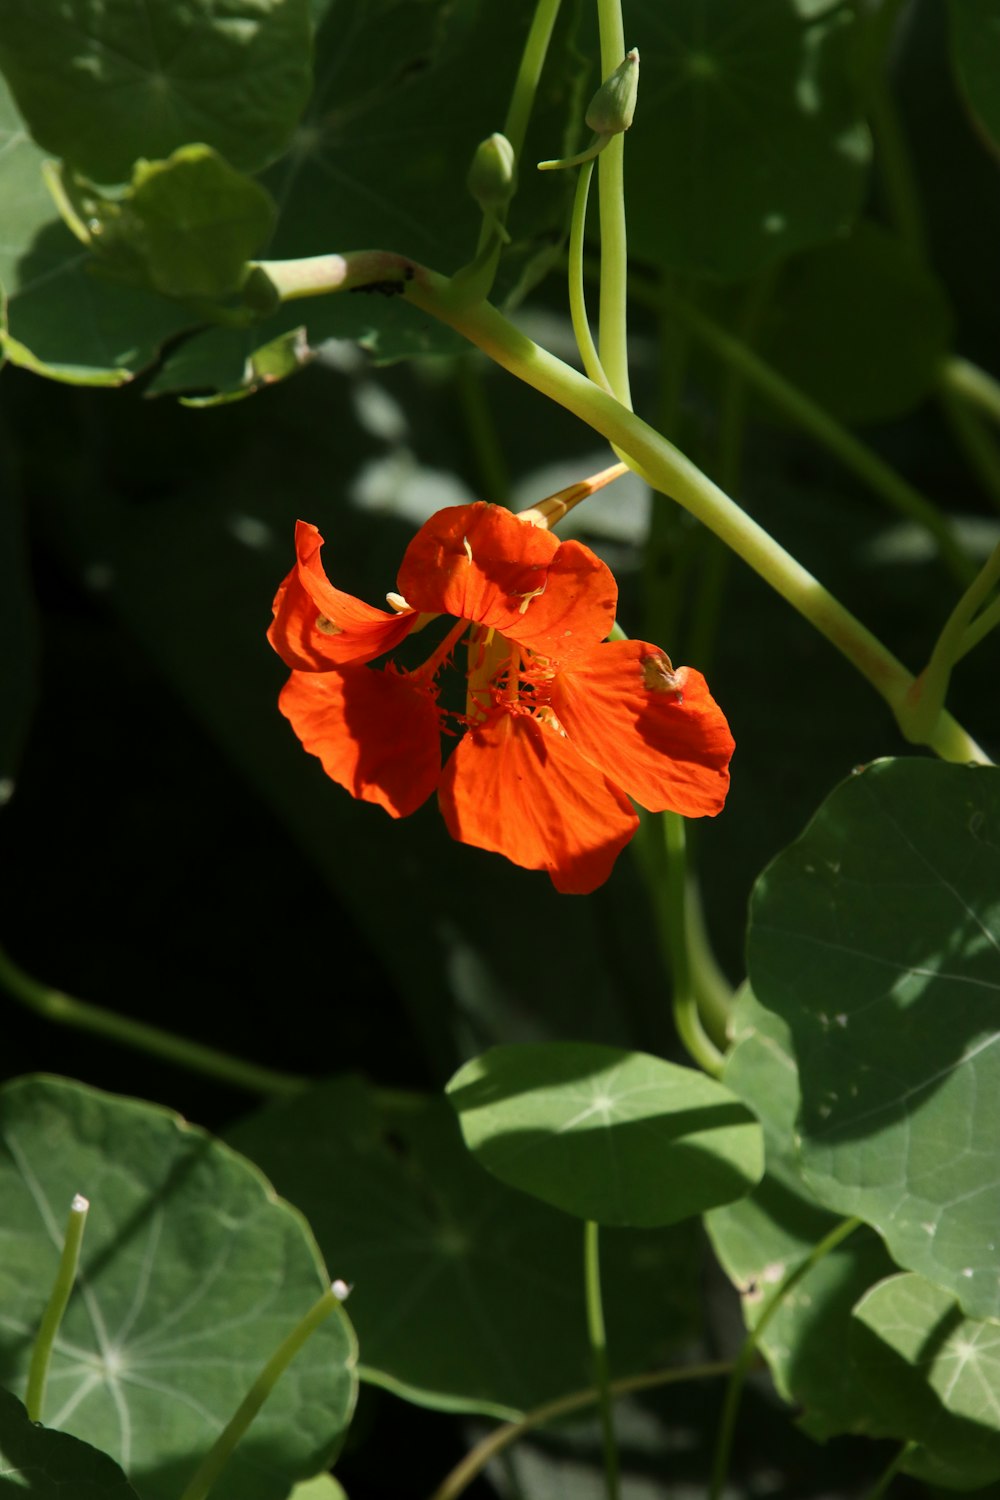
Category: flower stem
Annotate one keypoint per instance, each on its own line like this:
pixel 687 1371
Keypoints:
pixel 613 327
pixel 675 889
pixel 577 296
pixel 748 1352
pixel 492 476
pixel 599 1351
pixel 475 1461
pixel 973 385
pixel 976 442
pixel 222 1449
pixel 962 630
pixel 56 1006
pixel 52 1317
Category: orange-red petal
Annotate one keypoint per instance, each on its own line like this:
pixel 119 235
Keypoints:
pixel 518 788
pixel 658 733
pixel 479 562
pixel 374 731
pixel 317 627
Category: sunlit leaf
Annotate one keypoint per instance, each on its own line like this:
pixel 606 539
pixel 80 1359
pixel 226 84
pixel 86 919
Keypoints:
pixel 932 1378
pixel 618 1137
pixel 51 1465
pixel 191 1275
pixel 102 85
pixel 454 1276
pixel 876 937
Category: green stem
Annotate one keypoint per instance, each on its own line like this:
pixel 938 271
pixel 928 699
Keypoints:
pixel 475 1461
pixel 893 158
pixel 481 428
pixel 974 439
pixel 972 384
pixel 221 1450
pixel 577 295
pixel 856 456
pixel 980 627
pixel 675 889
pixel 889 1473
pixel 748 1353
pixel 599 1351
pixel 52 1317
pixel 957 637
pixel 613 326
pixel 56 1006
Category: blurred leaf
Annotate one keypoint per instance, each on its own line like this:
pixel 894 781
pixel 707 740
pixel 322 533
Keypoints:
pixel 860 326
pixel 931 1377
pixel 761 1238
pixel 618 1137
pixel 185 227
pixel 191 1275
pixel 747 142
pixel 454 1277
pixel 18 629
pixel 875 937
pixel 52 1465
pixel 102 85
pixel 323 1487
pixel 975 49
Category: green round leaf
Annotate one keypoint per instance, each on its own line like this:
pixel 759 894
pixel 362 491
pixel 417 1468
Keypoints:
pixel 860 326
pixel 931 1377
pixel 618 1137
pixel 876 937
pixel 455 1276
pixel 52 1465
pixel 747 142
pixel 191 1274
pixel 103 85
pixel 975 45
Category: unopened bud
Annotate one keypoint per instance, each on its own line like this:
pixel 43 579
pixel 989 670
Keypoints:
pixel 613 106
pixel 492 177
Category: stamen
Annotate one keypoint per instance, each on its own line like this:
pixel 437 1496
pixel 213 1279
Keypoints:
pixel 440 654
pixel 327 626
pixel 526 599
pixel 658 676
pixel 396 602
pixel 468 549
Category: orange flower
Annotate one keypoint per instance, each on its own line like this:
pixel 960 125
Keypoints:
pixel 560 727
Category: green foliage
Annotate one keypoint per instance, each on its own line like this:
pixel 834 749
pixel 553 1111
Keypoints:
pixel 617 1137
pixel 53 1464
pixel 975 40
pixel 191 1274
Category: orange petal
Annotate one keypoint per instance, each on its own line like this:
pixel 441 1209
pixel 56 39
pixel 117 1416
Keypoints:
pixel 518 788
pixel 375 733
pixel 657 733
pixel 479 562
pixel 317 627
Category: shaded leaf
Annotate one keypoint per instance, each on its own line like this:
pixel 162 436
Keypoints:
pixel 454 1276
pixel 191 1275
pixel 323 1487
pixel 53 1465
pixel 103 85
pixel 876 938
pixel 975 47
pixel 618 1137
pixel 931 1377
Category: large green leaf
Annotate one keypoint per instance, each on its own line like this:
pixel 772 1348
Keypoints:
pixel 52 1465
pixel 763 1237
pixel 191 1275
pixel 747 142
pixel 931 1378
pixel 102 85
pixel 466 1295
pixel 975 45
pixel 618 1137
pixel 876 937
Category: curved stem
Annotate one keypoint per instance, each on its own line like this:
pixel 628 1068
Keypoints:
pixel 54 1005
pixel 599 1351
pixel 675 888
pixel 577 295
pixel 613 327
pixel 928 693
pixel 748 1352
pixel 475 1461
pixel 62 1289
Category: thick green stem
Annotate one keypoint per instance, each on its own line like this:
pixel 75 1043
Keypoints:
pixel 52 1317
pixel 475 1461
pixel 56 1006
pixel 613 326
pixel 222 1449
pixel 748 1353
pixel 681 953
pixel 599 1351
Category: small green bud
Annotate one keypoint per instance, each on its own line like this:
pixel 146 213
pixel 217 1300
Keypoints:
pixel 613 106
pixel 492 178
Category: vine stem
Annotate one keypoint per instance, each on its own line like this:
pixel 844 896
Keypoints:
pixel 973 385
pixel 475 1461
pixel 64 1009
pixel 222 1449
pixel 963 629
pixel 613 325
pixel 41 1354
pixel 655 459
pixel 682 953
pixel 599 1351
pixel 748 1352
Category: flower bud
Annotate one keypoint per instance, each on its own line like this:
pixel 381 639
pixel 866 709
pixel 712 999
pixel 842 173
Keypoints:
pixel 612 107
pixel 492 178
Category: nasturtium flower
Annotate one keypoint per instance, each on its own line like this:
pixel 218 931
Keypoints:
pixel 561 729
